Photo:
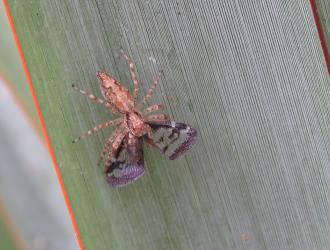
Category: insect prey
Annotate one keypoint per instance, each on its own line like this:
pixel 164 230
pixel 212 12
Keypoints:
pixel 122 152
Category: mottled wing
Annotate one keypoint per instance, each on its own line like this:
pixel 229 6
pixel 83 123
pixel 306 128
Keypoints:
pixel 172 138
pixel 128 164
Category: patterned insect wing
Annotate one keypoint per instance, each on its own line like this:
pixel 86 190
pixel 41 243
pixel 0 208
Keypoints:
pixel 128 165
pixel 172 138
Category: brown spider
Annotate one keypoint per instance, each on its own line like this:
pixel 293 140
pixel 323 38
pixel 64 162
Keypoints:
pixel 123 151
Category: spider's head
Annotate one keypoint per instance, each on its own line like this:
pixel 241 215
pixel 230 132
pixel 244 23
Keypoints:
pixel 115 93
pixel 108 84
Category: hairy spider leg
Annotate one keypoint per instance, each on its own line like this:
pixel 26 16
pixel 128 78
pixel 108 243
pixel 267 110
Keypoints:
pixel 115 146
pixel 153 108
pixel 96 99
pixel 156 118
pixel 132 70
pixel 97 128
pixel 151 89
pixel 106 146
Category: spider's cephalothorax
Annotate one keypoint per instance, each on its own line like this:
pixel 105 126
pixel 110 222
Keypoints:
pixel 123 151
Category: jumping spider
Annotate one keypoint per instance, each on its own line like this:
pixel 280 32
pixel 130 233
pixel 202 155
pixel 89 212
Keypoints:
pixel 123 151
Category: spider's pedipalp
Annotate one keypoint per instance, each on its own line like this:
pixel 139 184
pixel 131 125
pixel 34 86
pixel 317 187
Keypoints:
pixel 132 71
pixel 97 128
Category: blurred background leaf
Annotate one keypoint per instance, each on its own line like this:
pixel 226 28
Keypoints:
pixel 9 237
pixel 249 75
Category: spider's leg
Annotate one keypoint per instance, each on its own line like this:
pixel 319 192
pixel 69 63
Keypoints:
pixel 153 108
pixel 132 70
pixel 95 98
pixel 156 118
pixel 98 127
pixel 106 147
pixel 115 146
pixel 151 89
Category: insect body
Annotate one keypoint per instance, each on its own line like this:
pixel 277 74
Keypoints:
pixel 123 151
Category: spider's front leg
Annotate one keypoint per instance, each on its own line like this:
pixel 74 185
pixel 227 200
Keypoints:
pixel 132 71
pixel 96 99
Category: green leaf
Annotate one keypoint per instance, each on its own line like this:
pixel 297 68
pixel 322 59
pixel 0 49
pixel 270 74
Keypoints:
pixel 249 76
